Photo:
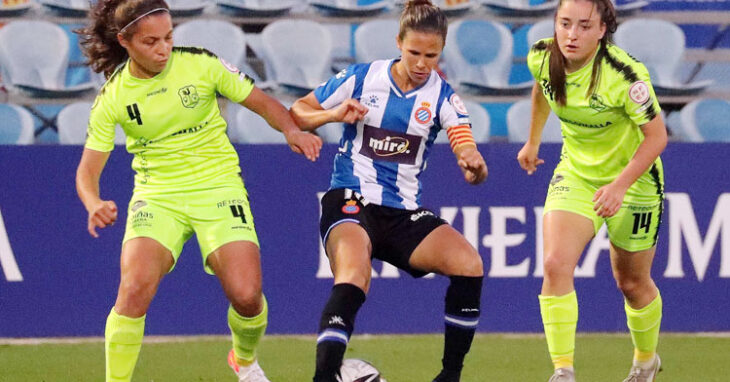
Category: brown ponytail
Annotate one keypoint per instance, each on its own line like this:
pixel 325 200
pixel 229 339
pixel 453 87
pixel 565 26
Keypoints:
pixel 99 39
pixel 557 60
pixel 422 16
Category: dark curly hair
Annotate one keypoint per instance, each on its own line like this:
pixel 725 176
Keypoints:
pixel 99 39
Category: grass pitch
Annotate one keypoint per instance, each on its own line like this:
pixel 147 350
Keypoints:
pixel 408 358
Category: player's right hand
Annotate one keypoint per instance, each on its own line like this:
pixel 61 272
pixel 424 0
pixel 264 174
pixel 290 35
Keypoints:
pixel 528 158
pixel 101 214
pixel 349 111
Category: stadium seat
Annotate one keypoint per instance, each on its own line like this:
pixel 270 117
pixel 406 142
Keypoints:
pixel 72 122
pixel 478 58
pixel 34 58
pixel 221 37
pixel 304 42
pixel 17 126
pixel 542 29
pixel 479 123
pixel 256 8
pixel 19 8
pixel 518 124
pixel 67 8
pixel 659 45
pixel 250 127
pixel 375 40
pixel 629 8
pixel 456 8
pixel 705 120
pixel 182 8
pixel 520 8
pixel 349 8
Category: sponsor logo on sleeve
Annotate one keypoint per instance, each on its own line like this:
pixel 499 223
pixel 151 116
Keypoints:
pixel 639 92
pixel 230 67
pixel 458 104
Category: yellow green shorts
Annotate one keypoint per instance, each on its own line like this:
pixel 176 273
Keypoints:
pixel 635 227
pixel 217 216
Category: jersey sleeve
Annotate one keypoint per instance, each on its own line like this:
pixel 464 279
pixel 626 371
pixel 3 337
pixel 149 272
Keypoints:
pixel 338 88
pixel 102 122
pixel 453 111
pixel 537 57
pixel 229 81
pixel 641 104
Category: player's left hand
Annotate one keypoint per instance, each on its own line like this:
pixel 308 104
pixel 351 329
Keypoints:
pixel 608 199
pixel 302 142
pixel 472 165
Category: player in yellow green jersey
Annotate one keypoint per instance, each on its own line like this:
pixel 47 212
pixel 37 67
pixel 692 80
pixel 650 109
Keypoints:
pixel 187 173
pixel 609 172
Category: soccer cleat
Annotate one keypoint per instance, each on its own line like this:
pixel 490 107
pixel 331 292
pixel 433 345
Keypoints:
pixel 637 374
pixel 563 375
pixel 250 373
pixel 448 376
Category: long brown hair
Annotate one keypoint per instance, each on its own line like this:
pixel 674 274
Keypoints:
pixel 557 60
pixel 422 16
pixel 108 17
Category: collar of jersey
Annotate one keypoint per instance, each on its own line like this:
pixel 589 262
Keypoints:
pixel 583 69
pixel 157 76
pixel 395 87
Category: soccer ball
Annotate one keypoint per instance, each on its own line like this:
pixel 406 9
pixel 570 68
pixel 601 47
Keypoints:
pixel 357 370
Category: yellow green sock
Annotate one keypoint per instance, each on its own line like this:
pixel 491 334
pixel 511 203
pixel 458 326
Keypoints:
pixel 559 318
pixel 644 325
pixel 246 332
pixel 123 339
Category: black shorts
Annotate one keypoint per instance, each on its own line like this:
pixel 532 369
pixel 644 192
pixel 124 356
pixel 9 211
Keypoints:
pixel 394 233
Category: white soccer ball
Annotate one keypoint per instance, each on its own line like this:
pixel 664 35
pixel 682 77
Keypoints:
pixel 357 370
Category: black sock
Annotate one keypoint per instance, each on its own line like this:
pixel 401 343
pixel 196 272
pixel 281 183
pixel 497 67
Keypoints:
pixel 462 316
pixel 335 328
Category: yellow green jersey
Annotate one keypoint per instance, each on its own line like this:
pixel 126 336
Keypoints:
pixel 172 122
pixel 600 130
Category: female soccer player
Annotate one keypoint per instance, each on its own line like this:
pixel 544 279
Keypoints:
pixel 187 173
pixel 392 110
pixel 609 171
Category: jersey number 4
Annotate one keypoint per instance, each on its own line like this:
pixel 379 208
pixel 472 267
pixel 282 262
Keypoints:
pixel 134 114
pixel 237 211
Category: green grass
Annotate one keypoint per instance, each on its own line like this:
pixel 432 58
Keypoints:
pixel 687 358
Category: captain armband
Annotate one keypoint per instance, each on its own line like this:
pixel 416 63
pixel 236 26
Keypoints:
pixel 460 135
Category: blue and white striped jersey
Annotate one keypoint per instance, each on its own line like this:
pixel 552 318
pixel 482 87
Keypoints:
pixel 382 156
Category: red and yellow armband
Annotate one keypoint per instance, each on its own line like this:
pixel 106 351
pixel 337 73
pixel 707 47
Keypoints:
pixel 460 135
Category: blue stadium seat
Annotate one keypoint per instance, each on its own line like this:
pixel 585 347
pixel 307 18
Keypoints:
pixel 256 8
pixel 250 127
pixel 34 58
pixel 375 40
pixel 706 120
pixel 15 10
pixel 659 45
pixel 304 42
pixel 478 58
pixel 480 123
pixel 542 29
pixel 180 8
pixel 72 122
pixel 17 125
pixel 518 124
pixel 223 38
pixel 67 8
pixel 521 8
pixel 349 8
pixel 629 8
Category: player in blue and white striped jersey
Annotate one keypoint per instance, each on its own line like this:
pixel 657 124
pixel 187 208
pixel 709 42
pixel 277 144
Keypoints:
pixel 392 111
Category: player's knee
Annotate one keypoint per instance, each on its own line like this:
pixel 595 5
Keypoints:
pixel 247 300
pixel 555 267
pixel 631 286
pixel 134 297
pixel 472 264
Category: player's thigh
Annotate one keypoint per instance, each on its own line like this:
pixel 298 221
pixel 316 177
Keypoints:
pixel 446 251
pixel 221 216
pixel 635 227
pixel 153 226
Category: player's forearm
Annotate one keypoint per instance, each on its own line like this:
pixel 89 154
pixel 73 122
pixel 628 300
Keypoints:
pixel 309 118
pixel 538 116
pixel 648 151
pixel 87 187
